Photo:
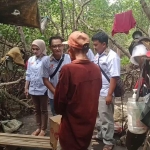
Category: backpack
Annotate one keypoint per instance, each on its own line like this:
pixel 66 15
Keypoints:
pixel 119 90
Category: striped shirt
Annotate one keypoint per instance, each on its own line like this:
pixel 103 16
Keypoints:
pixel 33 75
pixel 48 67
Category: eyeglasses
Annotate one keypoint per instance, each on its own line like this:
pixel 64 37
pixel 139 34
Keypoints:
pixel 57 46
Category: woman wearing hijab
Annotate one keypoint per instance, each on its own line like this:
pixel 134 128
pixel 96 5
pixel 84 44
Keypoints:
pixel 35 87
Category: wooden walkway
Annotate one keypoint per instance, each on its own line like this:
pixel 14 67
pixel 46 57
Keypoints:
pixel 24 140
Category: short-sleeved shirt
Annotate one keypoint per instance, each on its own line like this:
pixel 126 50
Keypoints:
pixel 90 55
pixel 109 61
pixel 48 67
pixel 36 86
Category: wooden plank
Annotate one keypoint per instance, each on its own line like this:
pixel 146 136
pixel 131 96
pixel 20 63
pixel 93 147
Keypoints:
pixel 22 143
pixel 22 135
pixel 25 140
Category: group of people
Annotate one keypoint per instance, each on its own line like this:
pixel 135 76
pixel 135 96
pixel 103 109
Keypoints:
pixel 76 88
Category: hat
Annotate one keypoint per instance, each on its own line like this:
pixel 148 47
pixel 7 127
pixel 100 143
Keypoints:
pixel 78 40
pixel 138 51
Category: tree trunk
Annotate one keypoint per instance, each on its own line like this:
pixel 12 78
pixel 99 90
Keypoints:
pixel 73 16
pixel 145 8
pixel 62 18
pixel 22 37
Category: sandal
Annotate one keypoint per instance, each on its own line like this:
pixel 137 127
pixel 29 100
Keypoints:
pixel 108 147
pixel 42 133
pixel 36 132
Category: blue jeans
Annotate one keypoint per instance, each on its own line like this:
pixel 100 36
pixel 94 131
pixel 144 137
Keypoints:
pixel 52 107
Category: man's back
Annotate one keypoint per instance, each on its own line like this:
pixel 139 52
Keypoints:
pixel 78 91
pixel 85 80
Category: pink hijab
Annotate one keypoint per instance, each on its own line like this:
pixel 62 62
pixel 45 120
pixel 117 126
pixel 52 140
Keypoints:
pixel 41 44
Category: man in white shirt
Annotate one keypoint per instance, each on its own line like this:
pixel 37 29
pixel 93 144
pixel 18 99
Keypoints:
pixel 49 67
pixel 90 55
pixel 109 62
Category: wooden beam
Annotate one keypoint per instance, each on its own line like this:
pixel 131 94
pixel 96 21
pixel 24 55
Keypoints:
pixel 25 140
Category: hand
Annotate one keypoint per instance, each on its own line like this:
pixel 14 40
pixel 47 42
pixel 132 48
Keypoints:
pixel 26 92
pixel 109 99
pixel 53 91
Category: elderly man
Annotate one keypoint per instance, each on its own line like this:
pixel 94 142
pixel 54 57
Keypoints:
pixel 76 95
pixel 51 67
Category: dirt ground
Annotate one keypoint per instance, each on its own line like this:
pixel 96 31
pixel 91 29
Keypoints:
pixel 29 126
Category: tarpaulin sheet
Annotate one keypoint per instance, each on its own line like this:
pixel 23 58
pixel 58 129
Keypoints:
pixel 20 13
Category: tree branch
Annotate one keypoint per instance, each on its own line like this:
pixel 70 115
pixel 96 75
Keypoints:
pixel 78 16
pixel 16 99
pixel 13 82
pixel 142 30
pixel 119 46
pixel 55 25
pixel 145 8
pixel 22 37
pixel 3 41
pixel 73 15
pixel 62 18
pixel 110 38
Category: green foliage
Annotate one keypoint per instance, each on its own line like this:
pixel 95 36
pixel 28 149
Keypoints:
pixel 125 61
pixel 98 14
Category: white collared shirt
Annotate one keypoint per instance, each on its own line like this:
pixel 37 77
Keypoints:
pixel 109 61
pixel 36 86
pixel 90 55
pixel 49 66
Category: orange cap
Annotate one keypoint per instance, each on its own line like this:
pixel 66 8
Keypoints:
pixel 77 39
